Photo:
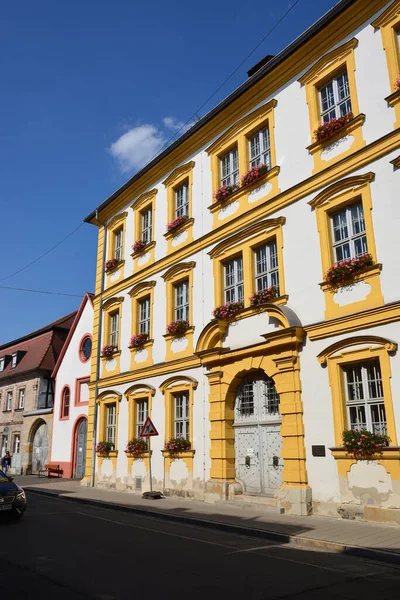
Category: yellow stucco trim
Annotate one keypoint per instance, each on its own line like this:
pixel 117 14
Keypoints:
pixel 346 352
pixel 396 162
pixel 133 395
pixel 138 293
pixel 110 307
pixel 175 275
pixel 389 459
pixel 179 176
pixel 141 204
pixel 116 223
pixel 104 400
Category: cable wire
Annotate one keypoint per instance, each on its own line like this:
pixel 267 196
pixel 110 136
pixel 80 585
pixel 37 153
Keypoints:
pixel 7 287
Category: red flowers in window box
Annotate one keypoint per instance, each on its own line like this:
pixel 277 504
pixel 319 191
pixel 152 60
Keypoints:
pixel 254 174
pixel 104 448
pixel 138 341
pixel 137 447
pixel 228 310
pixel 224 191
pixel 107 351
pixel 177 328
pixel 397 84
pixel 345 272
pixel 176 223
pixel 176 445
pixel 110 264
pixel 363 444
pixel 265 295
pixel 327 130
pixel 139 245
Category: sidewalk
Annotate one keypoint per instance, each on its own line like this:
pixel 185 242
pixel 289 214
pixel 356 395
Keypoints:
pixel 369 540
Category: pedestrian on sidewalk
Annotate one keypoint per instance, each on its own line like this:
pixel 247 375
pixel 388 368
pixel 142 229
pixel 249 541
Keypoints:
pixel 7 462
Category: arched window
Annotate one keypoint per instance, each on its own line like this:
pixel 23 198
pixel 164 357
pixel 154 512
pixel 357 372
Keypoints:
pixel 65 402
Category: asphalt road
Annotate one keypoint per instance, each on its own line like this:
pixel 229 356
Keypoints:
pixel 61 550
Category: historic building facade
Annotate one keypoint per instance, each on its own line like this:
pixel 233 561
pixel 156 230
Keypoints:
pixel 254 210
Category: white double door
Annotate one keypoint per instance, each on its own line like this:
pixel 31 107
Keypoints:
pixel 257 436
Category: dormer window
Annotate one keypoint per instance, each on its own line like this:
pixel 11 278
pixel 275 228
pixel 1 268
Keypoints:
pixel 14 360
pixel 2 363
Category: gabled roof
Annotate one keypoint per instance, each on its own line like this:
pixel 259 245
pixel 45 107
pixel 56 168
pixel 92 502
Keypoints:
pixel 87 298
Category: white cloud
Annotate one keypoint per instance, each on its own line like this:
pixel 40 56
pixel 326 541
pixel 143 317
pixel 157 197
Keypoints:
pixel 175 125
pixel 137 146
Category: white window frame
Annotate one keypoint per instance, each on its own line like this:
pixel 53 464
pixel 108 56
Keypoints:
pixel 144 315
pixel 363 400
pixel 119 236
pixel 142 412
pixel 114 329
pixel 181 291
pixel 9 398
pixel 182 200
pixel 111 423
pixel 233 280
pixel 266 266
pixel 2 363
pixel 349 237
pixel 260 148
pixel 16 443
pixel 181 415
pixel 229 163
pixel 334 98
pixel 21 398
pixel 147 224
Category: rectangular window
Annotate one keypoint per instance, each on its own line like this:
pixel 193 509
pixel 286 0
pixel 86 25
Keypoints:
pixel 141 415
pixel 144 315
pixel 21 399
pixel 111 423
pixel 364 397
pixel 147 225
pixel 9 400
pixel 181 412
pixel 260 148
pixel 233 290
pixel 230 168
pixel 335 98
pixel 266 266
pixel 114 329
pixel 14 357
pixel 16 444
pixel 348 232
pixel 2 363
pixel 182 201
pixel 182 301
pixel 118 243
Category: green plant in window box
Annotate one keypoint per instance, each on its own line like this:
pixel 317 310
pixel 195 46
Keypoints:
pixel 177 445
pixel 363 444
pixel 104 448
pixel 137 447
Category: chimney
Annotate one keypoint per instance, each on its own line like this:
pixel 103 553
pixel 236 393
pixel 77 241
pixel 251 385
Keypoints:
pixel 260 64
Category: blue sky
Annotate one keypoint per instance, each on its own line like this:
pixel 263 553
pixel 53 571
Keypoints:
pixel 88 91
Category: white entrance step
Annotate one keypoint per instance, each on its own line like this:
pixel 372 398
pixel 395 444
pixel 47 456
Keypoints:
pixel 262 503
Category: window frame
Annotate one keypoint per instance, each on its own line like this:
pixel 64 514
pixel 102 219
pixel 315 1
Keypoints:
pixel 145 202
pixel 109 307
pixel 65 414
pixel 269 271
pixel 352 238
pixel 119 243
pixel 262 152
pixel 232 176
pixel 184 306
pixel 184 420
pixel 134 394
pixel 175 385
pixel 21 391
pixel 118 222
pixel 144 323
pixel 9 400
pixel 115 329
pixel 14 360
pixel 85 337
pixel 104 400
pixel 335 107
pixel 2 363
pixel 237 286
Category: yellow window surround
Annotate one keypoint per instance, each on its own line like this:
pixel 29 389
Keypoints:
pixel 180 176
pixel 389 24
pixel 335 197
pixel 245 243
pixel 116 224
pixel 136 392
pixel 104 400
pixel 110 307
pixel 353 350
pixel 138 293
pixel 143 203
pixel 332 64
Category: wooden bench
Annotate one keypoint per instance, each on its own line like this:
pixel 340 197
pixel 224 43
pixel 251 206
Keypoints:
pixel 52 469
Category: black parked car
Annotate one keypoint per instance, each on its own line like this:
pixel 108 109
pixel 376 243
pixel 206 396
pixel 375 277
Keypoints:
pixel 12 497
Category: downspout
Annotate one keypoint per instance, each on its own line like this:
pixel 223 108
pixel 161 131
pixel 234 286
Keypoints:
pixel 98 358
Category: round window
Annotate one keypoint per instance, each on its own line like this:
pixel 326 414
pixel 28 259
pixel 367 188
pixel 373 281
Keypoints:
pixel 86 348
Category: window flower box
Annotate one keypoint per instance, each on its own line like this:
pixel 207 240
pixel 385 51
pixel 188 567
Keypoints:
pixel 177 328
pixel 176 223
pixel 397 84
pixel 108 351
pixel 364 445
pixel 104 448
pixel 228 310
pixel 345 272
pixel 139 246
pixel 224 191
pixel 137 447
pixel 110 264
pixel 265 295
pixel 177 445
pixel 138 341
pixel 254 174
pixel 327 130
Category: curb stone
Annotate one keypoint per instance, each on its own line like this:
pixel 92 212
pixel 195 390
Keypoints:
pixel 301 541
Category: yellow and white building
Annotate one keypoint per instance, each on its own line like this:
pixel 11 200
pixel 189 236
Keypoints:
pixel 264 397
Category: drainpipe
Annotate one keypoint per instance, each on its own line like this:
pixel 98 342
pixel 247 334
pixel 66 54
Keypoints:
pixel 99 336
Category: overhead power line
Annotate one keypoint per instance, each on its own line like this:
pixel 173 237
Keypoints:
pixel 7 287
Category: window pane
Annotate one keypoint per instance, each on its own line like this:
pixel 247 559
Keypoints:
pixel 348 232
pixel 335 98
pixel 266 259
pixel 181 415
pixel 144 316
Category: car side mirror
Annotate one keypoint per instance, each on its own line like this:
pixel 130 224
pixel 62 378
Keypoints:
pixel 10 478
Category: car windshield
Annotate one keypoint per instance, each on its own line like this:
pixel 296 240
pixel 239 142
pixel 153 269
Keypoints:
pixel 3 477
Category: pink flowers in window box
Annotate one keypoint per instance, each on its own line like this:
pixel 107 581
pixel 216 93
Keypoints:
pixel 176 223
pixel 139 245
pixel 104 448
pixel 176 445
pixel 264 296
pixel 177 328
pixel 138 341
pixel 397 84
pixel 254 174
pixel 110 264
pixel 224 191
pixel 363 444
pixel 228 310
pixel 345 272
pixel 107 351
pixel 137 447
pixel 327 130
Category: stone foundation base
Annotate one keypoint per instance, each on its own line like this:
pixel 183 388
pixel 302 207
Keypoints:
pixel 295 500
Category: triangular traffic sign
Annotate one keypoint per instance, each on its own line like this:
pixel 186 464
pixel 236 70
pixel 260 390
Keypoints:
pixel 148 429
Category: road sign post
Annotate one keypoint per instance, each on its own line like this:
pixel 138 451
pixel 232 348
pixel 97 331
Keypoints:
pixel 148 430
